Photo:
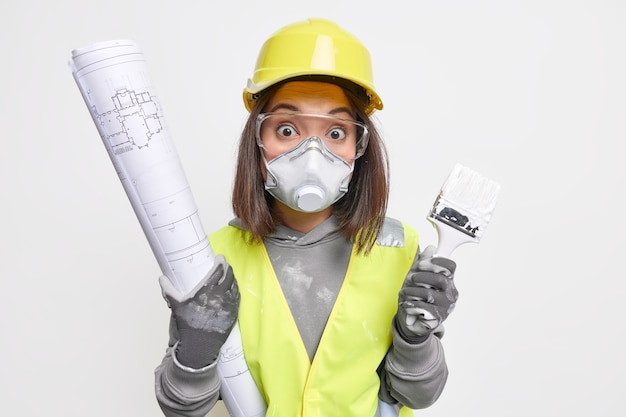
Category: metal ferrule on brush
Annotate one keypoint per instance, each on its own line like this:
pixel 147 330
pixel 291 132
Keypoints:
pixel 448 222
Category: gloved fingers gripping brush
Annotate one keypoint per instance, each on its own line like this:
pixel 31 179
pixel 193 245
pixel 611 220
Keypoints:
pixel 427 297
pixel 205 316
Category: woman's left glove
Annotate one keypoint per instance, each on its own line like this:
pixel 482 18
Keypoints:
pixel 427 297
pixel 205 316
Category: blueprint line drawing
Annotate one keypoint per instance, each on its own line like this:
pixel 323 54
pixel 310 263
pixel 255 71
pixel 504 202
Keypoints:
pixel 114 81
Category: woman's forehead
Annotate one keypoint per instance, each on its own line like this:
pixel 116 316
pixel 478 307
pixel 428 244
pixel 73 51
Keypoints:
pixel 309 96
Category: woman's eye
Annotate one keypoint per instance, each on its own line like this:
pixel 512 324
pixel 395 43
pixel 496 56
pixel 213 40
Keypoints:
pixel 286 131
pixel 336 134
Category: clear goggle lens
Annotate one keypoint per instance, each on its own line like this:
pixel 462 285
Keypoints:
pixel 280 132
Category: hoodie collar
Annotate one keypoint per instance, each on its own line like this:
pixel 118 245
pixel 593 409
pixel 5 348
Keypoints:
pixel 285 236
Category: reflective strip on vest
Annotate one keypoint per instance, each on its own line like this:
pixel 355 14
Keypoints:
pixel 342 380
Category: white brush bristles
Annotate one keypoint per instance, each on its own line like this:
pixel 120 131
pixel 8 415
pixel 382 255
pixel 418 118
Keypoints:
pixel 466 200
pixel 467 188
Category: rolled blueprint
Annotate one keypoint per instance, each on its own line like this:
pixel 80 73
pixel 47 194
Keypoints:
pixel 114 81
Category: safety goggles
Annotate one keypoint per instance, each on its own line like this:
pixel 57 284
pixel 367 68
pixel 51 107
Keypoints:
pixel 281 132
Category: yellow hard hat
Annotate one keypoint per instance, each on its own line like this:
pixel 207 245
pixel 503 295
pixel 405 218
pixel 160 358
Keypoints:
pixel 315 47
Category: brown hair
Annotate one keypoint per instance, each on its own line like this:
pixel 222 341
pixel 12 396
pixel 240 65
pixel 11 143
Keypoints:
pixel 360 212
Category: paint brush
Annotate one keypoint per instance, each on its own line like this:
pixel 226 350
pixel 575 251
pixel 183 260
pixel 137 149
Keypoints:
pixel 460 214
pixel 463 208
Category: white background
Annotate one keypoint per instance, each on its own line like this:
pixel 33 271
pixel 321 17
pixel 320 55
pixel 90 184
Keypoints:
pixel 529 93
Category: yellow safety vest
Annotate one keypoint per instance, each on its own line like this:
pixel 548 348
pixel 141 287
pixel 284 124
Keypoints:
pixel 342 380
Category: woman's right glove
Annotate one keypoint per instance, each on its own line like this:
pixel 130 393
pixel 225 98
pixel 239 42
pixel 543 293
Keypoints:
pixel 427 297
pixel 205 316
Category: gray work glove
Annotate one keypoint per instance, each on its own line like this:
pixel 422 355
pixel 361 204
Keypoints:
pixel 205 316
pixel 427 297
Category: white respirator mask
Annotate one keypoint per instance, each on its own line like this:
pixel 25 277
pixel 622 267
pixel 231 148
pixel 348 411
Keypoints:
pixel 311 177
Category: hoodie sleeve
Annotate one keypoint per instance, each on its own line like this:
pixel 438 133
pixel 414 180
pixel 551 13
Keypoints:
pixel 413 375
pixel 182 391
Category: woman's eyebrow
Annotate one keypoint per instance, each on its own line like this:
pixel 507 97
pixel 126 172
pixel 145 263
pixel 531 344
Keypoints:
pixel 342 110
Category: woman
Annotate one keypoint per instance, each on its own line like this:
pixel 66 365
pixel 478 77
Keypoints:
pixel 339 312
